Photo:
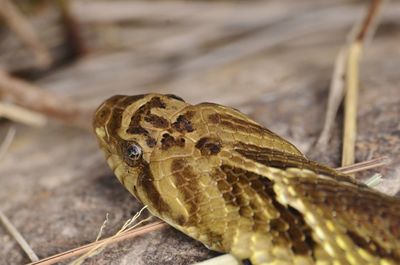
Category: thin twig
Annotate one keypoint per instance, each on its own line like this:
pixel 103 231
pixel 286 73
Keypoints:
pixel 18 23
pixel 3 218
pixel 362 166
pixel 98 248
pixel 7 142
pixel 102 228
pixel 83 249
pixel 361 31
pixel 352 81
pixel 34 98
pixel 368 26
pixel 336 93
pixel 18 237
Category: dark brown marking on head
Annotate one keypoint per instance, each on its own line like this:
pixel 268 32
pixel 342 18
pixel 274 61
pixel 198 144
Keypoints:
pixel 156 102
pixel 183 123
pixel 151 142
pixel 113 108
pixel 174 97
pixel 372 247
pixel 209 146
pixel 137 130
pixel 169 141
pixel 278 159
pixel 214 118
pixel 187 182
pixel 157 121
pixel 144 112
pixel 114 122
pixel 117 106
pixel 146 182
pixel 290 228
pixel 137 117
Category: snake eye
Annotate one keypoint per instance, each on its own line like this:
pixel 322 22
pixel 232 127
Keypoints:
pixel 134 151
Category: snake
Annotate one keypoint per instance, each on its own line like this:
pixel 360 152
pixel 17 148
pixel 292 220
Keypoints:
pixel 223 179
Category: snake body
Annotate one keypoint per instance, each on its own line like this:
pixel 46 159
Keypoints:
pixel 223 179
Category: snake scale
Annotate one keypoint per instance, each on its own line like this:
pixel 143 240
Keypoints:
pixel 223 179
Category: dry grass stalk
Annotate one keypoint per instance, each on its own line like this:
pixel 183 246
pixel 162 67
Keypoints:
pixel 17 22
pixel 362 166
pixel 345 69
pixel 350 105
pixel 36 99
pixel 3 218
pixel 18 237
pixel 336 93
pixel 352 81
pixel 7 142
pixel 102 228
pixel 129 234
pixel 98 248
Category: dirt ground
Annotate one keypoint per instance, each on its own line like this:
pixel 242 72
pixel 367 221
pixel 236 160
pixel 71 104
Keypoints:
pixel 272 60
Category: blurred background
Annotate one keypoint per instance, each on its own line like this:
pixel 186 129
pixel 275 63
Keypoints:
pixel 273 60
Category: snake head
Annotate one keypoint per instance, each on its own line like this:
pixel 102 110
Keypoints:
pixel 128 129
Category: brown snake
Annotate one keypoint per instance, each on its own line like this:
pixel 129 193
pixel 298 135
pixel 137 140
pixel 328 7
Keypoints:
pixel 223 179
